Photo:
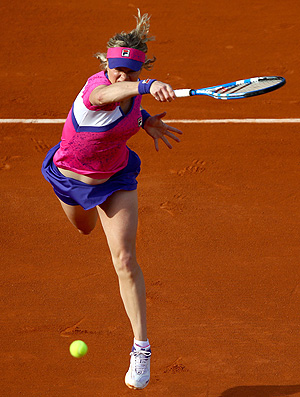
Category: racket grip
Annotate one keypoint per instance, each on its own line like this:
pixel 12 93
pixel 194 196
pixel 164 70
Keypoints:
pixel 182 92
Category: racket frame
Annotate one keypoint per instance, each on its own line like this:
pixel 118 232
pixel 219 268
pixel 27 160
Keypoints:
pixel 213 91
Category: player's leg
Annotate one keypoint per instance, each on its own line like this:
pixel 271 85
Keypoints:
pixel 119 217
pixel 83 220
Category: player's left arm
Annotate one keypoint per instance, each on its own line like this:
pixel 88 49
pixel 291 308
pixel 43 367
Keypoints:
pixel 157 129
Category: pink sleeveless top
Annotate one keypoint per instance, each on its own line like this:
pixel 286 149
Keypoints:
pixel 93 141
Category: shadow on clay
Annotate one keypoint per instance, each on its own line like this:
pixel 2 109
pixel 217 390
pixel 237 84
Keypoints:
pixel 261 391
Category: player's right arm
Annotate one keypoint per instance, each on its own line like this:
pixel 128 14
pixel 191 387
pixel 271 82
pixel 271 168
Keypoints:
pixel 120 91
pixel 117 92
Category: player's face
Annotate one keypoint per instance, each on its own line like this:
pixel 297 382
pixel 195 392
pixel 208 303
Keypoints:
pixel 117 75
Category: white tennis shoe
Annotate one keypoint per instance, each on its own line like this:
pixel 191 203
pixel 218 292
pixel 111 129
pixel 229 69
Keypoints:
pixel 138 375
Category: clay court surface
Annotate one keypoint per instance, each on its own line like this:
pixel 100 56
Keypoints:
pixel 218 236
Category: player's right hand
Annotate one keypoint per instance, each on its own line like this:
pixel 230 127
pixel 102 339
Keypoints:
pixel 162 92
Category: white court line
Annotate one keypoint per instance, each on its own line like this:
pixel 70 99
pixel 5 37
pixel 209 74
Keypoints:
pixel 32 121
pixel 181 121
pixel 237 121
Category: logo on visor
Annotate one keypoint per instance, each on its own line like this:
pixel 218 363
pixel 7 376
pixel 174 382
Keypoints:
pixel 126 53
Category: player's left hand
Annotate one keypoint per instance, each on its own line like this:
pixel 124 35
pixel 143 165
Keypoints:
pixel 157 129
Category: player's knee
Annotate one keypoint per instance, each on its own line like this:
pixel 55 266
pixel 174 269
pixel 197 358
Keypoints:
pixel 85 227
pixel 125 264
pixel 84 232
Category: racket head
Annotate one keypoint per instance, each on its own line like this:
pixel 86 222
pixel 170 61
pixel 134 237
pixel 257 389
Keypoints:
pixel 243 88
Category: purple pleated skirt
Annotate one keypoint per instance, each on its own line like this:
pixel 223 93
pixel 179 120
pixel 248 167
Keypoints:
pixel 74 192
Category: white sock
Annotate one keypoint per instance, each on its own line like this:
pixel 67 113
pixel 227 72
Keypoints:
pixel 141 344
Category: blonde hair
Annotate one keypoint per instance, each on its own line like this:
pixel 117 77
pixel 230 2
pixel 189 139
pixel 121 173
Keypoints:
pixel 137 39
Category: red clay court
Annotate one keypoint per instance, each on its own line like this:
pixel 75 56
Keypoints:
pixel 218 236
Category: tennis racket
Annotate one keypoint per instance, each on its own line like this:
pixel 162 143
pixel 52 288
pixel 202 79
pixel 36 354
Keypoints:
pixel 238 89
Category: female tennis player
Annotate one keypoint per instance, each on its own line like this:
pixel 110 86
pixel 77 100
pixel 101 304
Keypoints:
pixel 93 172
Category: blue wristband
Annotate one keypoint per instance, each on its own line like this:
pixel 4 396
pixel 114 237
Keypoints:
pixel 144 86
pixel 145 116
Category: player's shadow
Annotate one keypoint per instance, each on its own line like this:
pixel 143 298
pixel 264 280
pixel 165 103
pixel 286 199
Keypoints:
pixel 261 391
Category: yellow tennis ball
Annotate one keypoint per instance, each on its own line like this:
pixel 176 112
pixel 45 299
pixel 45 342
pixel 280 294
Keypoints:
pixel 78 348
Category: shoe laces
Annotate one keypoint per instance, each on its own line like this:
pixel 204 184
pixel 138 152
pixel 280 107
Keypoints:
pixel 141 358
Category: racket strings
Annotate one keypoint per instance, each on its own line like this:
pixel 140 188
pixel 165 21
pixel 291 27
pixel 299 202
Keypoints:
pixel 249 86
pixel 260 85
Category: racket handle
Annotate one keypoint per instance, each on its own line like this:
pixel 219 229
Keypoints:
pixel 182 92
